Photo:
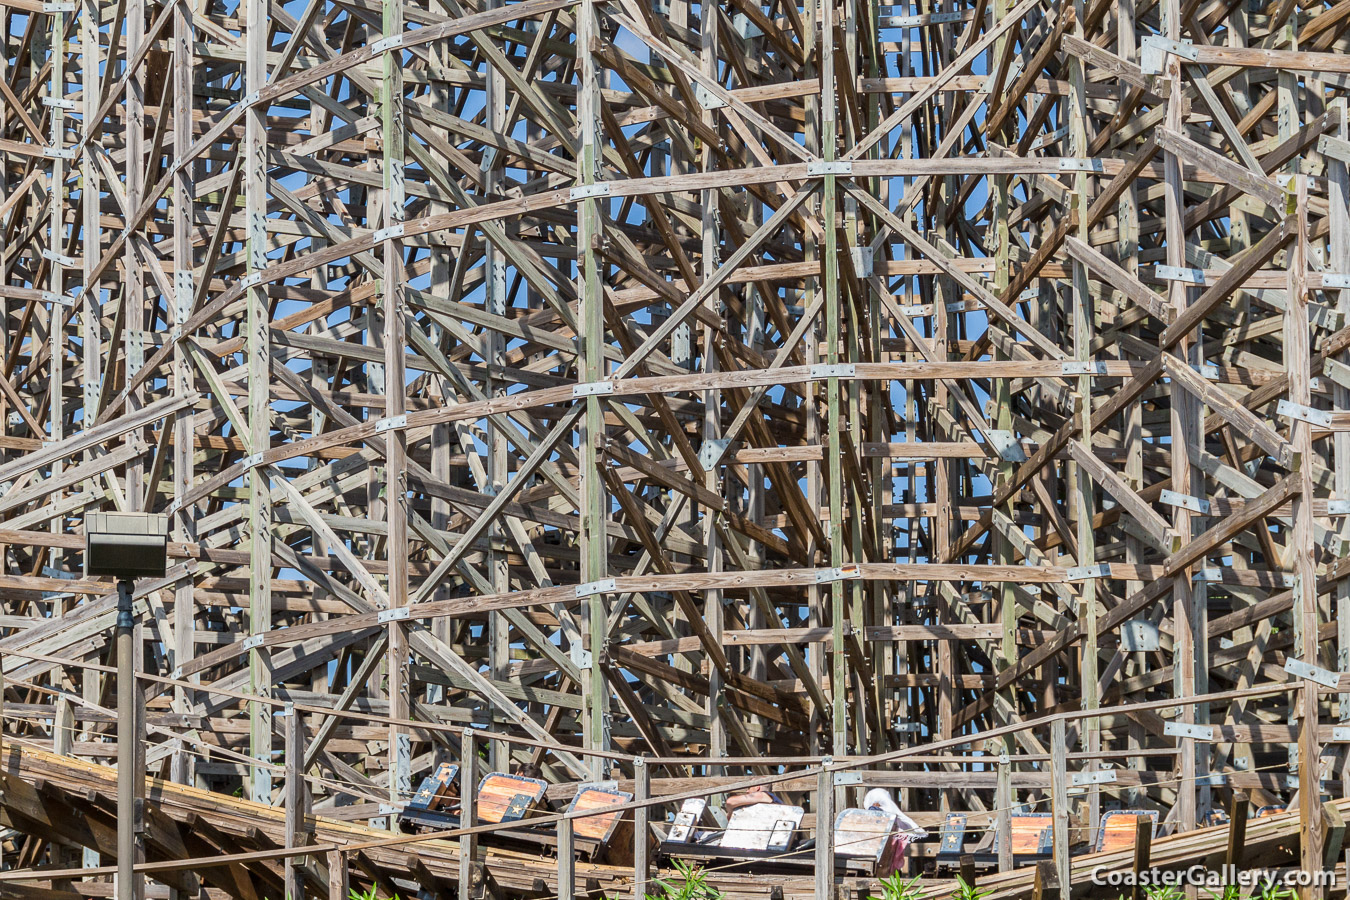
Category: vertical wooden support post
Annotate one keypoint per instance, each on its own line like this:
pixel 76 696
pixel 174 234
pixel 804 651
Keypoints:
pixel 642 789
pixel 3 761
pixel 829 206
pixel 1237 830
pixel 133 292
pixel 1143 851
pixel 709 45
pixel 1338 240
pixel 967 869
pixel 1059 800
pixel 1132 419
pixel 184 292
pixel 1083 326
pixel 567 861
pixel 825 832
pixel 1003 802
pixel 396 439
pixel 1297 360
pixel 861 316
pixel 1004 552
pixel 56 245
pixel 63 727
pixel 468 787
pixel 1182 415
pixel 1046 882
pixel 337 875
pixel 296 802
pixel 594 505
pixel 91 297
pixel 1333 834
pixel 494 349
pixel 815 614
pixel 259 408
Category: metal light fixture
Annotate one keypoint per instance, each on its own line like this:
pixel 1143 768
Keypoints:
pixel 126 546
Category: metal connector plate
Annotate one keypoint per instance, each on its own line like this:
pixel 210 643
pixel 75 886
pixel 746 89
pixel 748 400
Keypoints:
pixel 1187 730
pixel 1301 669
pixel 822 167
pixel 592 388
pixel 586 191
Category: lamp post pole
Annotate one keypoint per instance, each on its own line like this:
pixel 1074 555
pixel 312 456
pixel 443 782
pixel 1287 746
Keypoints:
pixel 127 546
pixel 126 744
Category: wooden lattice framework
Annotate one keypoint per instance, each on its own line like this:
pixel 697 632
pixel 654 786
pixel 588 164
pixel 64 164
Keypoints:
pixel 748 380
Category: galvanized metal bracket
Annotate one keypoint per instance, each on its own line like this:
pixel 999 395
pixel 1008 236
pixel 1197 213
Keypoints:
pixel 850 572
pixel 1005 444
pixel 1188 730
pixel 590 588
pixel 592 389
pixel 1154 50
pixel 862 260
pixel 1207 372
pixel 1185 501
pixel 941 18
pixel 1301 669
pixel 706 98
pixel 839 370
pixel 1139 636
pixel 587 191
pixel 1177 273
pixel 1085 573
pixel 1075 164
pixel 711 452
pixel 820 168
pixel 744 27
pixel 384 44
pixel 1319 417
pixel 390 423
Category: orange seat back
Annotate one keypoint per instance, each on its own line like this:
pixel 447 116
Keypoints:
pixel 1119 828
pixel 506 798
pixel 1031 834
pixel 598 827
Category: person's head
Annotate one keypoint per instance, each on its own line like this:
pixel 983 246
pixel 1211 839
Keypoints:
pixel 528 770
pixel 749 797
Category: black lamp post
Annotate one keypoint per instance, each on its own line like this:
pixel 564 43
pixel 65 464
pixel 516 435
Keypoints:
pixel 126 546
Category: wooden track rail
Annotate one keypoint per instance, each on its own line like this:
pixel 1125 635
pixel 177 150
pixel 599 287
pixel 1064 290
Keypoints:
pixel 730 387
pixel 68 800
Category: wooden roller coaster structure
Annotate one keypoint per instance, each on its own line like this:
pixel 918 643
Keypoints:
pixel 950 396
